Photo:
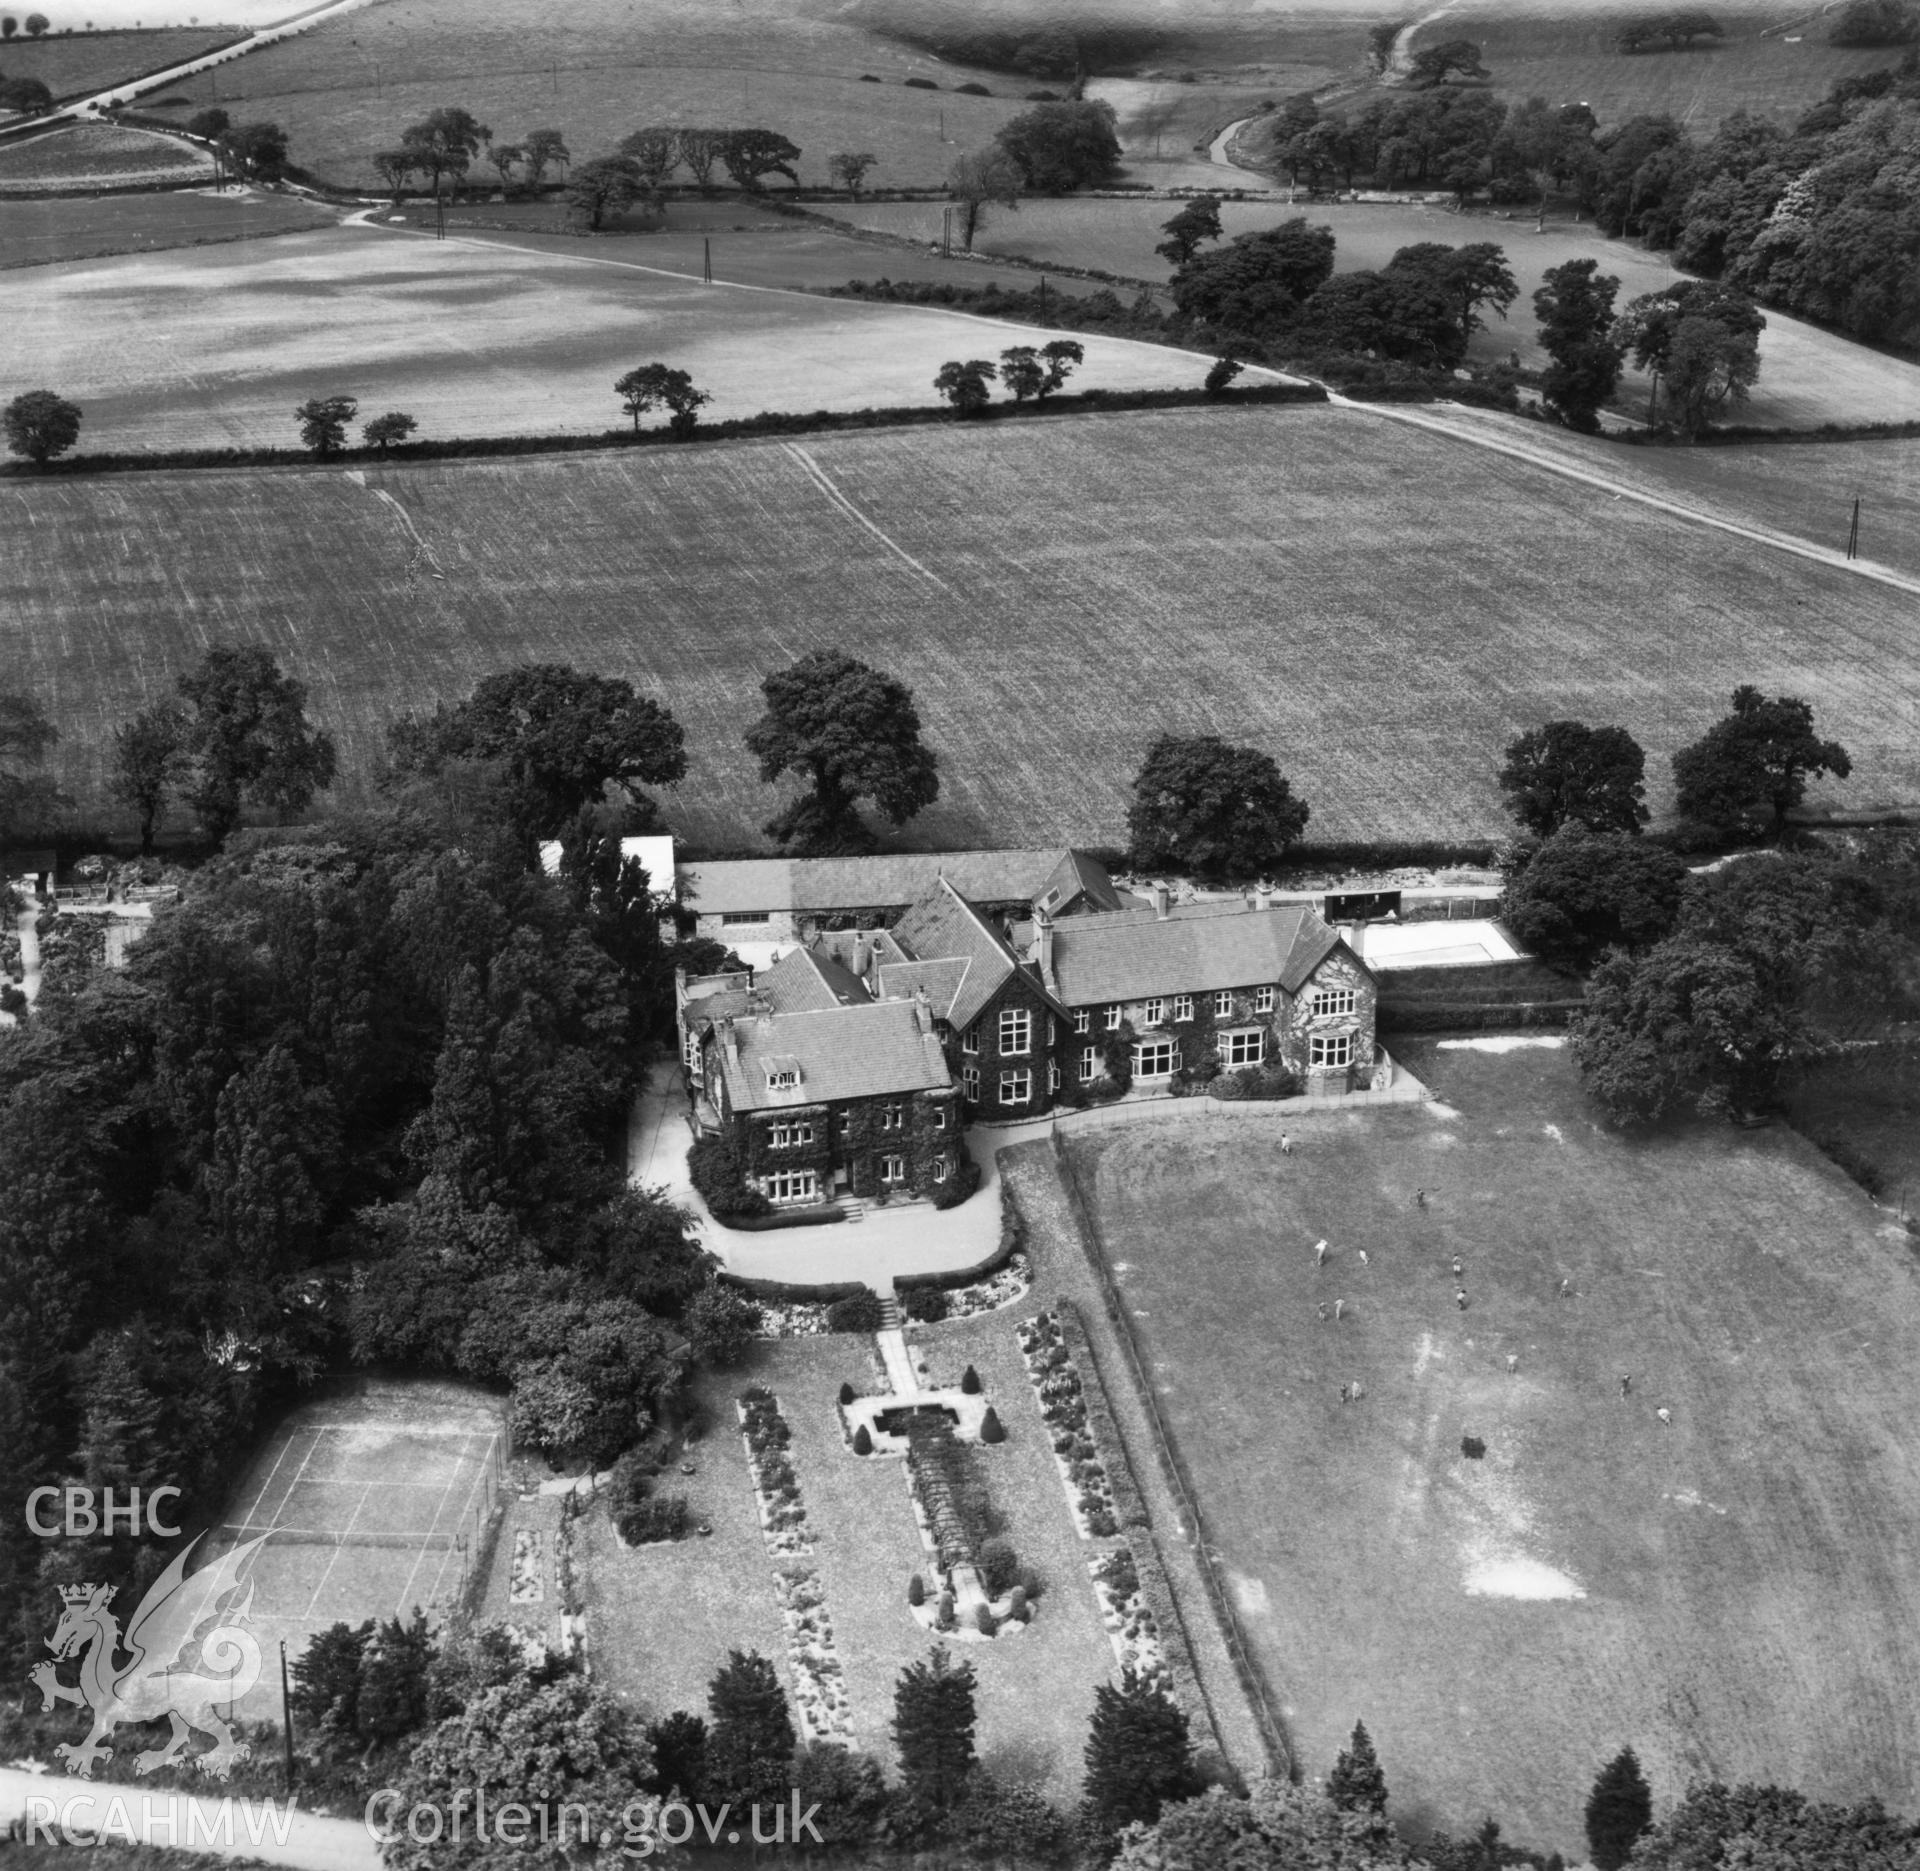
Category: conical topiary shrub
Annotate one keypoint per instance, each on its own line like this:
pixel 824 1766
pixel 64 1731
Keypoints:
pixel 943 1612
pixel 983 1621
pixel 916 1590
pixel 990 1430
pixel 847 1395
pixel 971 1382
pixel 862 1442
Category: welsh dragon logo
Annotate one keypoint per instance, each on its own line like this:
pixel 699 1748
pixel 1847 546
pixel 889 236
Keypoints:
pixel 155 1681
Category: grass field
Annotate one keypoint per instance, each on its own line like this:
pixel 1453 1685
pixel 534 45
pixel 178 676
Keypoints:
pixel 219 345
pixel 1808 376
pixel 1558 50
pixel 1056 594
pixel 1869 1106
pixel 73 63
pixel 41 231
pixel 375 1499
pixel 96 155
pixel 1731 1594
pixel 662 1618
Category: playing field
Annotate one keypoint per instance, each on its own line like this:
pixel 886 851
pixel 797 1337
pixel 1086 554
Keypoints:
pixel 375 1499
pixel 1731 1594
pixel 1379 606
pixel 1807 376
pixel 219 345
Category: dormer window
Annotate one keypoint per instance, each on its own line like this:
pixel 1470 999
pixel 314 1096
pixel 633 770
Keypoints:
pixel 783 1073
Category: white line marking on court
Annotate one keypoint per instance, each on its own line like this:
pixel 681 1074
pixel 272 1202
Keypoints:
pixel 338 1550
pixel 413 1571
pixel 822 480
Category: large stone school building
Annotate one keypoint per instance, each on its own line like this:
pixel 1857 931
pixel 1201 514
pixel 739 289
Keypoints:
pixel 857 1060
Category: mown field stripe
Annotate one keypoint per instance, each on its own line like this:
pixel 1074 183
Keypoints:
pixel 822 480
pixel 1779 542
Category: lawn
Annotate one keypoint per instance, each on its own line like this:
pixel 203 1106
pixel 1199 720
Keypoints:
pixel 1056 593
pixel 1864 1109
pixel 37 232
pixel 1730 1594
pixel 72 64
pixel 662 1618
pixel 1807 377
pixel 99 155
pixel 601 68
pixel 474 338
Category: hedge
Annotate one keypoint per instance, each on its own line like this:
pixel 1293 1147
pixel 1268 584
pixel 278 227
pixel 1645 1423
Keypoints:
pixel 1472 1016
pixel 1013 1235
pixel 784 1218
pixel 782 1292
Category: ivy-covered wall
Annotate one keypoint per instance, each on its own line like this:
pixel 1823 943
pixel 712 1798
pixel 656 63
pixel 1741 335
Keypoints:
pixel 856 1135
pixel 1051 1044
pixel 1341 969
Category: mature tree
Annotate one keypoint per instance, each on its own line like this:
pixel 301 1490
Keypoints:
pixel 1060 147
pixel 1139 1756
pixel 542 150
pixel 964 383
pixel 395 167
pixel 146 765
pixel 26 95
pixel 1038 373
pixel 567 1751
pixel 9 25
pixel 505 158
pixel 1199 220
pixel 1257 281
pixel 660 386
pixel 848 1791
pixel 326 1680
pixel 752 155
pixel 1566 770
pixel 1435 64
pixel 393 1680
pixel 276 1150
pixel 700 150
pixel 679 1742
pixel 1619 1809
pixel 977 182
pixel 257 151
pixel 1752 766
pixel 445 143
pixel 1700 341
pixel 561 737
pixel 1357 1783
pixel 1406 314
pixel 602 189
pixel 1472 276
pixel 722 1324
pixel 750 1740
pixel 388 431
pixel 1585 891
pixel 1574 305
pixel 26 738
pixel 248 740
pixel 933 1723
pixel 1675 30
pixel 323 422
pixel 655 152
pixel 36 25
pixel 41 425
pixel 1217 810
pixel 852 732
pixel 847 168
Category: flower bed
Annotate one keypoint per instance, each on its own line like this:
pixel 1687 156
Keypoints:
pixel 1064 1405
pixel 793 1318
pixel 820 1685
pixel 1130 1625
pixel 528 1577
pixel 932 1305
pixel 783 1520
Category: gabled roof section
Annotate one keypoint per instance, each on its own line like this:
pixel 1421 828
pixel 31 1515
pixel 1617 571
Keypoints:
pixel 754 886
pixel 944 926
pixel 805 981
pixel 867 1051
pixel 1197 948
pixel 941 980
pixel 1077 880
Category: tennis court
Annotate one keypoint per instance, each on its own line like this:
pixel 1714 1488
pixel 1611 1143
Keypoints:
pixel 378 1500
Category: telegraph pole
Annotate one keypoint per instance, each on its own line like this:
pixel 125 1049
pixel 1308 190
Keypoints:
pixel 706 261
pixel 1853 532
pixel 286 1717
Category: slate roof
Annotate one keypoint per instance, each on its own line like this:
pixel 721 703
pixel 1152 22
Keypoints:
pixel 803 981
pixel 746 886
pixel 865 1051
pixel 1197 948
pixel 944 926
pixel 943 979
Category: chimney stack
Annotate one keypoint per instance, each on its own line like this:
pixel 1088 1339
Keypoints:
pixel 1043 937
pixel 1159 894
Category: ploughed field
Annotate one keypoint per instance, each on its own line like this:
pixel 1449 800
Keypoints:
pixel 1730 1593
pixel 1379 606
pixel 47 229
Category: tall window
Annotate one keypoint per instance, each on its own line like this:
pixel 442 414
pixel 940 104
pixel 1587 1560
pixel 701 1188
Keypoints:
pixel 1016 1087
pixel 1016 1031
pixel 1263 1000
pixel 1330 1049
pixel 1333 1000
pixel 1053 1079
pixel 893 1117
pixel 1183 1006
pixel 970 1083
pixel 1223 1004
pixel 893 1169
pixel 791 1136
pixel 1083 1019
pixel 970 1039
pixel 939 1117
pixel 1244 1048
pixel 791 1185
pixel 941 1169
pixel 1155 1058
pixel 1113 1019
pixel 1089 1065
